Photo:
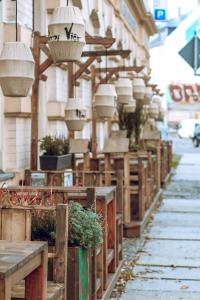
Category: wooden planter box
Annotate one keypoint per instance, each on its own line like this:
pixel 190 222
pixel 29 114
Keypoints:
pixel 15 224
pixel 78 281
pixel 54 162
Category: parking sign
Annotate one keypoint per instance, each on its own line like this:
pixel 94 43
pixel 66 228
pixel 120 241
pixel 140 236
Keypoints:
pixel 160 10
pixel 160 14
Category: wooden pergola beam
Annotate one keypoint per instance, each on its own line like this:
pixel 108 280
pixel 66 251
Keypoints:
pixel 122 53
pixel 106 42
pixel 120 69
pixel 82 69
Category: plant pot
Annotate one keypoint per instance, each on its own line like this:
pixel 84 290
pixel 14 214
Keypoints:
pixel 139 88
pixel 67 34
pixel 105 100
pixel 75 114
pixel 124 90
pixel 16 69
pixel 55 162
pixel 78 280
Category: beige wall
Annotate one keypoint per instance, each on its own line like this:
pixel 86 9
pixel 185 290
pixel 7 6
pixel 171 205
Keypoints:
pixel 15 131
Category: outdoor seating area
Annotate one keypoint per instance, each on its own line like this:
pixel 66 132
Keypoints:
pixel 122 189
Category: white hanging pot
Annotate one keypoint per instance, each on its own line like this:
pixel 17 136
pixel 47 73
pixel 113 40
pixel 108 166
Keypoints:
pixel 161 114
pixel 154 111
pixel 139 88
pixel 152 122
pixel 16 69
pixel 131 107
pixel 148 93
pixel 66 34
pixel 156 99
pixel 75 114
pixel 105 100
pixel 124 90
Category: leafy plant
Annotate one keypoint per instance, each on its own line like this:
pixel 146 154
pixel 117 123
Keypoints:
pixel 54 145
pixel 43 226
pixel 84 226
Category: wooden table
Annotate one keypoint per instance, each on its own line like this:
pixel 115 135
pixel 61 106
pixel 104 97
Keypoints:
pixel 23 260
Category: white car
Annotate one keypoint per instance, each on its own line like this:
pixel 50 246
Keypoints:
pixel 186 129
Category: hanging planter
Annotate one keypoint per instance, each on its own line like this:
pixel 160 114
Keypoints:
pixel 139 88
pixel 124 90
pixel 67 34
pixel 148 93
pixel 75 114
pixel 105 100
pixel 156 99
pixel 154 111
pixel 16 69
pixel 131 107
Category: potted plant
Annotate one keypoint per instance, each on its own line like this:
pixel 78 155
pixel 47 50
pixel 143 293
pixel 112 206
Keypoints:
pixel 55 153
pixel 84 232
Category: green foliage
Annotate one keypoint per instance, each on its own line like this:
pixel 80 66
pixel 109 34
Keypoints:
pixel 54 145
pixel 84 226
pixel 43 226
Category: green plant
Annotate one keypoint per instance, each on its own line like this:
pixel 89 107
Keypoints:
pixel 43 226
pixel 84 226
pixel 54 145
pixel 150 147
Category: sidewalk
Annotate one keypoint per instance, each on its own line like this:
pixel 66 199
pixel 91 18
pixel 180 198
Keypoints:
pixel 168 267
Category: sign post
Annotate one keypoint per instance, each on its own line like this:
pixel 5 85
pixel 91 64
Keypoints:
pixel 160 10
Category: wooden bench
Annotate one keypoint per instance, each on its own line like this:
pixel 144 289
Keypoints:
pixel 19 260
pixel 17 220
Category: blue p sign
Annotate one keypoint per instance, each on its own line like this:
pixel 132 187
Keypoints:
pixel 160 14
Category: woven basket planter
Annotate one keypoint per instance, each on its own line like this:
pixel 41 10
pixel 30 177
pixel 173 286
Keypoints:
pixel 139 88
pixel 149 93
pixel 75 115
pixel 105 100
pixel 124 90
pixel 154 111
pixel 67 34
pixel 131 107
pixel 16 69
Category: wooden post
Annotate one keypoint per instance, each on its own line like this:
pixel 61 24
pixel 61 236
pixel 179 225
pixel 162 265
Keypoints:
pixel 60 262
pixel 35 103
pixel 94 125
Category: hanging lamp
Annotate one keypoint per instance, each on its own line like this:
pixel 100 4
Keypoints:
pixel 66 34
pixel 16 69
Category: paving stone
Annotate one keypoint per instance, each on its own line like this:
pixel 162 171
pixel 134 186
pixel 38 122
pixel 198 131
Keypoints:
pixel 177 233
pixel 185 206
pixel 165 219
pixel 167 273
pixel 156 295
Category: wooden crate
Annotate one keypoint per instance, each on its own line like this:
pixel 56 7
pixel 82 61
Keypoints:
pixel 15 224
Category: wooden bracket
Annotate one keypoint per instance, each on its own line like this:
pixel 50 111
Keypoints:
pixel 120 69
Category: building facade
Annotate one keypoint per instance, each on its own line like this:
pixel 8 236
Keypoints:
pixel 129 22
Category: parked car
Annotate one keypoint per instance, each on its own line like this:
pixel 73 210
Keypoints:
pixel 196 135
pixel 186 128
